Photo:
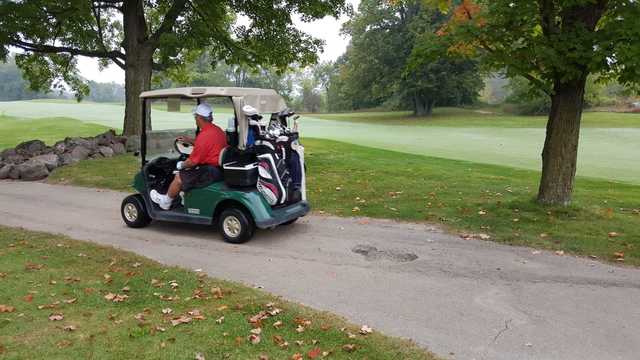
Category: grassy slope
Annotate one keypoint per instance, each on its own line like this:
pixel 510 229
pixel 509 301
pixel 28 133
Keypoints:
pixel 39 269
pixel 351 180
pixel 454 117
pixel 49 130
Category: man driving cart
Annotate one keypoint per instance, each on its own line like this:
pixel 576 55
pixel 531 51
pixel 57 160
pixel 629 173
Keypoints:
pixel 202 167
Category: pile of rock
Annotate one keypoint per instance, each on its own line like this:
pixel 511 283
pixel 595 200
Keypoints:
pixel 33 160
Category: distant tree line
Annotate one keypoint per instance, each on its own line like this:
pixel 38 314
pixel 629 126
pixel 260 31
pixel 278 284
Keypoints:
pixel 14 87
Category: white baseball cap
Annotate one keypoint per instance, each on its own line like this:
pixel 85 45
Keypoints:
pixel 249 110
pixel 203 109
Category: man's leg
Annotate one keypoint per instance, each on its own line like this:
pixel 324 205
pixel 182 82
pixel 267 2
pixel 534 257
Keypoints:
pixel 165 201
pixel 175 187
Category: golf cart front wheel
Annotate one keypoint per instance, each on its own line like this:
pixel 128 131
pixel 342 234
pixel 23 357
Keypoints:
pixel 134 212
pixel 235 225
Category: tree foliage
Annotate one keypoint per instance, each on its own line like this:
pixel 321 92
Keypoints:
pixel 144 35
pixel 396 59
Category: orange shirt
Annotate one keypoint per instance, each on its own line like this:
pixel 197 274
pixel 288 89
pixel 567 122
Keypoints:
pixel 209 143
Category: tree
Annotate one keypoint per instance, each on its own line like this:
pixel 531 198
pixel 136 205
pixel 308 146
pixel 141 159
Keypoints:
pixel 141 36
pixel 12 85
pixel 556 45
pixel 395 59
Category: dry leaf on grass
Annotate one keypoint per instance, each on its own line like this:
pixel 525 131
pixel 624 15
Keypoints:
pixel 56 317
pixel 349 347
pixel 180 320
pixel 6 308
pixel 314 353
pixel 199 356
pixel 254 339
pixel 116 297
pixel 364 330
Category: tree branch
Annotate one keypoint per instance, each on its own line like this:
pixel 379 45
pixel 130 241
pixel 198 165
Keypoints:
pixel 50 49
pixel 169 20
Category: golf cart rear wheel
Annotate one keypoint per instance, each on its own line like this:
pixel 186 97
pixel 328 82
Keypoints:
pixel 134 212
pixel 235 225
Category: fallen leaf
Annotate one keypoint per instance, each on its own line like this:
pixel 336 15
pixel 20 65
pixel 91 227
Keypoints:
pixel 125 289
pixel 263 357
pixel 254 339
pixel 296 356
pixel 63 344
pixel 349 347
pixel 199 356
pixel 56 317
pixel 300 329
pixel 32 266
pixel 618 255
pixel 137 264
pixel 217 293
pixel 560 252
pixel 256 331
pixel 277 324
pixel 482 212
pixel 6 308
pixel 70 301
pixel 167 311
pixel 116 297
pixel 220 320
pixel 28 298
pixel 364 330
pixel 613 234
pixel 314 353
pixel 180 320
pixel 107 278
pixel 69 328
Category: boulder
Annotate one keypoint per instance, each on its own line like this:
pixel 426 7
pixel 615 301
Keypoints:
pixel 106 151
pixel 32 170
pixel 66 159
pixel 7 152
pixel 80 153
pixel 133 143
pixel 120 139
pixel 51 161
pixel 60 147
pixel 78 141
pixel 14 159
pixel 118 148
pixel 31 148
pixel 14 173
pixel 106 138
pixel 5 171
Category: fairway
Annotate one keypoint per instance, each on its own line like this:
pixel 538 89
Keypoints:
pixel 609 146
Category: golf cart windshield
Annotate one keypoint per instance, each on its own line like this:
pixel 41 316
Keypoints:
pixel 173 118
pixel 167 114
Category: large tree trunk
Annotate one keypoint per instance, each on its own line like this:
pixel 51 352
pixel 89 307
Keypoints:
pixel 139 62
pixel 422 106
pixel 560 152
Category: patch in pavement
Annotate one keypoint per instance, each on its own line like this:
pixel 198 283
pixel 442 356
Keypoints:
pixel 372 253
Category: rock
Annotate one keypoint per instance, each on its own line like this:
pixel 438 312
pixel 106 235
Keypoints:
pixel 5 171
pixel 105 151
pixel 31 148
pixel 14 173
pixel 80 153
pixel 66 159
pixel 90 144
pixel 60 147
pixel 105 139
pixel 51 161
pixel 133 143
pixel 32 170
pixel 118 148
pixel 8 152
pixel 14 159
pixel 120 139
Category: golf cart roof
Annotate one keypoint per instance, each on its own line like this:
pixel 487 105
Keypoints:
pixel 265 100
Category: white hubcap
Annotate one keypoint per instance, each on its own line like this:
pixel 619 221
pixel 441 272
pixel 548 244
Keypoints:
pixel 231 226
pixel 130 212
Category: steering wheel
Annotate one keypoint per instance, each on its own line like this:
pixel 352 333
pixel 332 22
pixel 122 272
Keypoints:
pixel 183 148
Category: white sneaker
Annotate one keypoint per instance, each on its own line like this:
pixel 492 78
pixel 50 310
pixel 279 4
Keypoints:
pixel 162 200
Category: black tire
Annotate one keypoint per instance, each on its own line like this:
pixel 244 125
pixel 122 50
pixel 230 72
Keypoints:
pixel 133 211
pixel 239 227
pixel 290 221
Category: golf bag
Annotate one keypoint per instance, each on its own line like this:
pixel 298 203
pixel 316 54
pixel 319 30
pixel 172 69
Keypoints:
pixel 280 169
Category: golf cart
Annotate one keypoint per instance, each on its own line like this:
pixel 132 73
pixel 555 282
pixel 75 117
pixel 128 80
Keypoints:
pixel 259 189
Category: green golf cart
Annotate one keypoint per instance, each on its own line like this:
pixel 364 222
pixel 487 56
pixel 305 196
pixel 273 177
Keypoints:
pixel 264 174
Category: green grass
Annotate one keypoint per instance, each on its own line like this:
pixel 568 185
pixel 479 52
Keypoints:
pixel 72 278
pixel 14 131
pixel 609 146
pixel 456 117
pixel 465 197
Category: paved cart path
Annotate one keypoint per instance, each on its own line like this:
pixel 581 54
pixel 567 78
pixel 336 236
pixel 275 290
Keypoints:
pixel 474 299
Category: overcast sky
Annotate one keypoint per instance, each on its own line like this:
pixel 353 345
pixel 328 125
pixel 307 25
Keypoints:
pixel 327 29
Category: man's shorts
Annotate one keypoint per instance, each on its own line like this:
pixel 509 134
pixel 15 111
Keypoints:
pixel 199 176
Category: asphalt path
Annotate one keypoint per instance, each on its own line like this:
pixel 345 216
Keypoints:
pixel 462 299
